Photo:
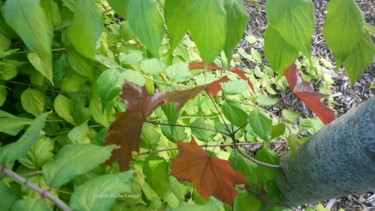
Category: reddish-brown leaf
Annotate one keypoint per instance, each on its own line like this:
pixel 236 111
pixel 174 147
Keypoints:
pixel 125 131
pixel 305 92
pixel 213 88
pixel 202 65
pixel 210 176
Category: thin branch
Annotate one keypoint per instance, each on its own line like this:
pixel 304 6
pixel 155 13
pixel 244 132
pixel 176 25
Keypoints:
pixel 43 193
pixel 258 162
pixel 189 126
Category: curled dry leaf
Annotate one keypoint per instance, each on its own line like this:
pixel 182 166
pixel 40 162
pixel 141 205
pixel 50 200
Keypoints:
pixel 210 176
pixel 305 92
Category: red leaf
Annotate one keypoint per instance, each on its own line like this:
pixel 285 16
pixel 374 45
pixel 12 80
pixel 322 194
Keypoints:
pixel 125 131
pixel 201 66
pixel 213 88
pixel 210 176
pixel 305 92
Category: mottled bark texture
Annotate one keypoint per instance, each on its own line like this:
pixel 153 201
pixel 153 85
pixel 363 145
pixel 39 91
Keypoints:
pixel 337 161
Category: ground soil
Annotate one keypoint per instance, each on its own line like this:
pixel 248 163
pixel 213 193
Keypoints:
pixel 346 95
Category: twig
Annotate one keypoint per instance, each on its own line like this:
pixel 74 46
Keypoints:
pixel 43 193
pixel 258 162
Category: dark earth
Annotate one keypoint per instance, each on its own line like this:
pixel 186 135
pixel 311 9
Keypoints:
pixel 346 95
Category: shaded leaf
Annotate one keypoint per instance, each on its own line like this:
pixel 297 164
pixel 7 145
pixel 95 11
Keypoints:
pixel 12 125
pixel 208 27
pixel 8 196
pixel 11 152
pixel 267 156
pixel 96 193
pixel 156 170
pixel 31 204
pixel 22 15
pixel 81 65
pixel 210 176
pixel 146 22
pixel 294 22
pixel 245 201
pixel 244 165
pixel 343 18
pixel 234 113
pixel 237 19
pixel 261 124
pixel 64 108
pixel 305 92
pixel 176 14
pixel 120 6
pixel 109 85
pixel 86 28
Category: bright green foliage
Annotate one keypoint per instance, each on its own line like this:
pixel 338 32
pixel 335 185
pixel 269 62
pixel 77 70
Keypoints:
pixel 30 22
pixel 11 152
pixel 245 166
pixel 156 171
pixel 208 27
pixel 294 22
pixel 237 19
pixel 73 160
pixel 176 14
pixel 261 124
pixel 86 28
pixel 33 101
pixel 64 108
pixel 38 154
pixel 80 64
pixel 278 51
pixel 342 32
pixel 101 192
pixel 109 85
pixel 245 201
pixel 235 114
pixel 12 125
pixel 146 22
pixel 267 156
pixel 31 205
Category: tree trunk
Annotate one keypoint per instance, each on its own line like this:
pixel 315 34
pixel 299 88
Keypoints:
pixel 337 161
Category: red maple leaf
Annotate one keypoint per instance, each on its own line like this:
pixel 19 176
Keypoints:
pixel 210 176
pixel 305 92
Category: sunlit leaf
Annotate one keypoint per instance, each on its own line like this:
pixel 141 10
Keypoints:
pixel 64 108
pixel 33 101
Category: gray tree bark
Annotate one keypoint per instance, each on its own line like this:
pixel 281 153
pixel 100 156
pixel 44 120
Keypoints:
pixel 337 161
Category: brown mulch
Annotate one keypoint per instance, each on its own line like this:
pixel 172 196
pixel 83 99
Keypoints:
pixel 346 95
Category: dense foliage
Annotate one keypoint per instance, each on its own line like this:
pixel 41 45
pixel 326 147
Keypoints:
pixel 150 88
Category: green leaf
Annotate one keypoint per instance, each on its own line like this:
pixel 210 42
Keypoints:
pixel 267 156
pixel 201 134
pixel 178 189
pixel 86 28
pixel 294 22
pixel 38 154
pixel 234 113
pixel 31 204
pixel 72 82
pixel 208 27
pixel 8 69
pixel 100 192
pixel 237 19
pixel 80 65
pixel 11 152
pixel 244 165
pixel 342 31
pixel 64 108
pixel 264 100
pixel 150 137
pixel 279 53
pixel 235 87
pixel 78 135
pixel 178 72
pixel 176 14
pixel 211 205
pixel 360 58
pixel 33 101
pixel 3 94
pixel 245 201
pixel 22 16
pixel 97 112
pixel 134 77
pixel 170 110
pixel 73 160
pixel 277 130
pixel 52 11
pixel 156 170
pixel 153 66
pixel 12 125
pixel 290 116
pixel 109 85
pixel 146 22
pixel 8 196
pixel 261 124
pixel 120 6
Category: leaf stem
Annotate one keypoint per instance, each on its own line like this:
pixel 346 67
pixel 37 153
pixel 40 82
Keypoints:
pixel 259 162
pixel 43 193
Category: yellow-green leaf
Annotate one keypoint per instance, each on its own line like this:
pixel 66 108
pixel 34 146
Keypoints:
pixel 146 23
pixel 86 28
pixel 33 101
pixel 29 20
pixel 208 25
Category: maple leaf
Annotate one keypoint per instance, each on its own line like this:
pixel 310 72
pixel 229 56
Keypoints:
pixel 126 130
pixel 210 176
pixel 305 92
